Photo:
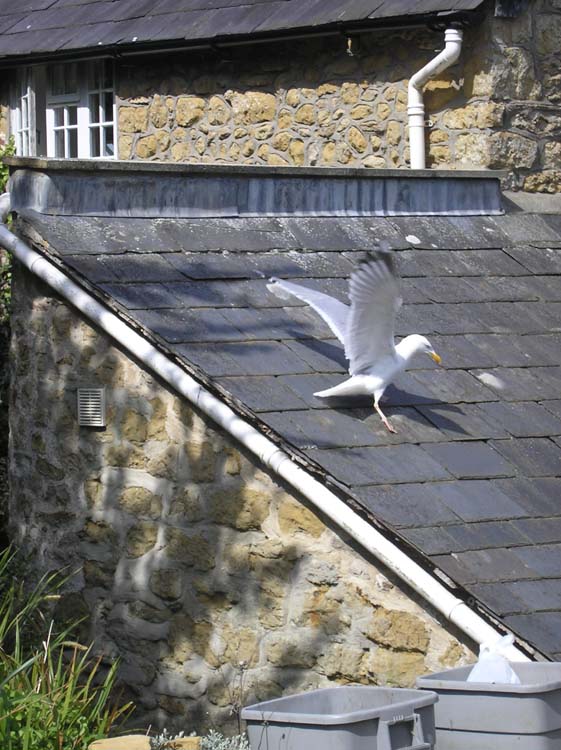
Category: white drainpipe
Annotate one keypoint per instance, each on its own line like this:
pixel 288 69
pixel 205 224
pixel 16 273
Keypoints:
pixel 389 554
pixel 415 104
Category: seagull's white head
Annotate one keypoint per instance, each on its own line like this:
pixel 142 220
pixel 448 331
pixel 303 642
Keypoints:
pixel 417 343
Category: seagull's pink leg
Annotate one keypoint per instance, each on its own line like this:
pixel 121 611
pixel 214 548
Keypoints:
pixel 383 417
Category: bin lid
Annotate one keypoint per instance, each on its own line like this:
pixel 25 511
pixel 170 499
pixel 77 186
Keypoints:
pixel 345 704
pixel 535 677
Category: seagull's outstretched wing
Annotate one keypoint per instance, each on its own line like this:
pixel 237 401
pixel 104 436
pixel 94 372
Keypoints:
pixel 334 313
pixel 375 300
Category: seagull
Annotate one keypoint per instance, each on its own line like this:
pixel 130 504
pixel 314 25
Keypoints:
pixel 365 327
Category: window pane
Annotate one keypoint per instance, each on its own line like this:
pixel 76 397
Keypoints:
pixel 59 143
pixel 94 107
pixel 56 80
pixel 71 78
pixel 108 106
pixel 72 144
pixel 24 113
pixel 93 76
pixel 107 70
pixel 94 142
pixel 59 117
pixel 25 145
pixel 109 144
pixel 63 79
pixel 72 115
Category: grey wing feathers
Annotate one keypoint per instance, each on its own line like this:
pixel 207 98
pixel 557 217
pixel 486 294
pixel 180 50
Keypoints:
pixel 375 300
pixel 334 313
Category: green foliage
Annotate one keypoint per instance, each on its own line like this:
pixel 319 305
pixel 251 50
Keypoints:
pixel 9 149
pixel 5 288
pixel 53 694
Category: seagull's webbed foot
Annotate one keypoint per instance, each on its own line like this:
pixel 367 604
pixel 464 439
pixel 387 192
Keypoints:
pixel 384 419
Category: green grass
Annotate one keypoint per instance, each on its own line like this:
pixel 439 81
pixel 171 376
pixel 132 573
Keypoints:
pixel 53 693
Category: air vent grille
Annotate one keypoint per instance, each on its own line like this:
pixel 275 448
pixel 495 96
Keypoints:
pixel 91 407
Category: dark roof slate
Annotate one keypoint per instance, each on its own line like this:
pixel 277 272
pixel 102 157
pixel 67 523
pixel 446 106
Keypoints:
pixel 56 26
pixel 472 479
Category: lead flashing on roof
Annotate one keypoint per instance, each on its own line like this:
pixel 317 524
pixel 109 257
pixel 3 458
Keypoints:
pixel 133 190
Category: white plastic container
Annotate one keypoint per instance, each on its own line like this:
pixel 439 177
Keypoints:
pixel 350 717
pixel 492 716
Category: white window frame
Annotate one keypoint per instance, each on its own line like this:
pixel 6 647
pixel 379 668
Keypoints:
pixel 83 127
pixel 102 124
pixel 22 113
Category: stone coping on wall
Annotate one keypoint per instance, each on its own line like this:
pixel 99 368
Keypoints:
pixel 122 165
pixel 122 188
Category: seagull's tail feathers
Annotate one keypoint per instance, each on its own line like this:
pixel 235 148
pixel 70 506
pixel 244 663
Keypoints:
pixel 350 387
pixel 275 286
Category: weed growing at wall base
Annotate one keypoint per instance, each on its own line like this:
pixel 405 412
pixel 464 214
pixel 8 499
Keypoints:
pixel 53 693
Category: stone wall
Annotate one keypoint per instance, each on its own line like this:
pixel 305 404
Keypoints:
pixel 214 584
pixel 307 102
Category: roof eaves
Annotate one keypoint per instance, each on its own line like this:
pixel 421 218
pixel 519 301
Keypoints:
pixel 125 48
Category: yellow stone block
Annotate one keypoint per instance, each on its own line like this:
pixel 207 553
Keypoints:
pixel 186 743
pixel 129 742
pixel 297 152
pixel 189 110
pixel 295 517
pixel 276 161
pixel 374 162
pixel 383 110
pixel 361 111
pixel 439 92
pixel 357 140
pixel 133 119
pixel 125 146
pixel 328 153
pixel 398 630
pixel 293 97
pixel 548 181
pixel 350 93
pixel 159 112
pixel 146 147
pixel 305 114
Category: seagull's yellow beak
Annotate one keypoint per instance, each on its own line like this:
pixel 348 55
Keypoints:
pixel 436 358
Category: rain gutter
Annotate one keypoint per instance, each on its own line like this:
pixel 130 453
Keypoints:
pixel 343 29
pixel 269 453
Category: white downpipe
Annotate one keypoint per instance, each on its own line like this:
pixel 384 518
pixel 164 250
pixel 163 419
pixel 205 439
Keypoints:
pixel 453 608
pixel 415 104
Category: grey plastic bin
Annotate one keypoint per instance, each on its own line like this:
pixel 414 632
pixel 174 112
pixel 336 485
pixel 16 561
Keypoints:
pixel 351 717
pixel 489 716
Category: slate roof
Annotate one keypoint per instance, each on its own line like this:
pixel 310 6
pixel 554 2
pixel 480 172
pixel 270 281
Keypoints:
pixel 57 26
pixel 472 480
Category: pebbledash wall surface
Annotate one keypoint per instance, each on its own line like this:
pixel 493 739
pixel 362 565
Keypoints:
pixel 307 102
pixel 193 562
